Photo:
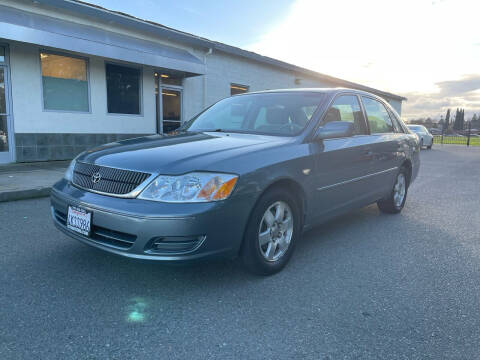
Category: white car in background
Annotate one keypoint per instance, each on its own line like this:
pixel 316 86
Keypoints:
pixel 424 136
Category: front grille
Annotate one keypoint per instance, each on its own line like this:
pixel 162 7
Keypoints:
pixel 111 180
pixel 103 235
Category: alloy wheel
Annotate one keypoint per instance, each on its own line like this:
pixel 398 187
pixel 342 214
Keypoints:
pixel 399 190
pixel 275 231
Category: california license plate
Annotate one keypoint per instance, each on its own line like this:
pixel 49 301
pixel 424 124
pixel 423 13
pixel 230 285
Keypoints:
pixel 79 220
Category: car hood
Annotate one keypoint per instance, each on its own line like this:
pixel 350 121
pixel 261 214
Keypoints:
pixel 181 153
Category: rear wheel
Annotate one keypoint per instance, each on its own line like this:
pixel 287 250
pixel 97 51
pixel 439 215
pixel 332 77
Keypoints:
pixel 394 203
pixel 271 233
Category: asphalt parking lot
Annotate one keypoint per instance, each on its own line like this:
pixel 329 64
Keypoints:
pixel 365 285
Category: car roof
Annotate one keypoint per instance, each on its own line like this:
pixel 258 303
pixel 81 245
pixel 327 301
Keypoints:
pixel 329 91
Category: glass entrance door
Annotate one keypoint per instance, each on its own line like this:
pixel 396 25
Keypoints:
pixel 5 136
pixel 168 96
pixel 171 109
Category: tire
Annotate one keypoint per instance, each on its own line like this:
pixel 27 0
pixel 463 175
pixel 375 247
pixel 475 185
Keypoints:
pixel 421 144
pixel 275 247
pixel 429 147
pixel 392 204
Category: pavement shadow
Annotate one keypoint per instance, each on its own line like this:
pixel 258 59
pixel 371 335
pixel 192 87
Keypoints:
pixel 76 258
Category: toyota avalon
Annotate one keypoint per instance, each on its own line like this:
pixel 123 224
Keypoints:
pixel 243 178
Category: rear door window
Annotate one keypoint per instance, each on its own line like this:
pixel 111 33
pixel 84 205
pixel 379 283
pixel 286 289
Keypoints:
pixel 377 115
pixel 396 122
pixel 347 108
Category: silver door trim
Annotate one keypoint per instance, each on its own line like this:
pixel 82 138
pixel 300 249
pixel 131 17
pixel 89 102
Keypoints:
pixel 356 179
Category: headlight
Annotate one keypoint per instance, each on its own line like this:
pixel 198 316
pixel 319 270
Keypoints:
pixel 69 173
pixel 193 187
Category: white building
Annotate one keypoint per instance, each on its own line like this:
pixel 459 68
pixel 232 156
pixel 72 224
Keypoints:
pixel 74 75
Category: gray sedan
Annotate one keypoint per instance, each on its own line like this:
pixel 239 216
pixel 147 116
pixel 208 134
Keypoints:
pixel 424 136
pixel 243 178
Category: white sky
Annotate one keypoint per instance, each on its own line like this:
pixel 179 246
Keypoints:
pixel 404 46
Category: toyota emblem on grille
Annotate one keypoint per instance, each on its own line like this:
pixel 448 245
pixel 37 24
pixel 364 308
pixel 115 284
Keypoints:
pixel 96 177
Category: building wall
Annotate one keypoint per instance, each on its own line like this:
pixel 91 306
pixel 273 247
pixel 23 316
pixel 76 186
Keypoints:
pixel 222 70
pixel 396 104
pixel 28 102
pixel 55 135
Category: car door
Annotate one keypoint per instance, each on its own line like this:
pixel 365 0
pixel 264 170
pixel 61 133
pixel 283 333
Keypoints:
pixel 386 144
pixel 341 164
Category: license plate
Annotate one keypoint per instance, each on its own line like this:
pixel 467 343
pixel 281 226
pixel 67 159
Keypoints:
pixel 79 220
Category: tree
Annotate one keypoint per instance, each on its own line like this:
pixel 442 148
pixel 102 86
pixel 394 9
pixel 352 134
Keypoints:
pixel 447 121
pixel 459 122
pixel 456 122
pixel 475 121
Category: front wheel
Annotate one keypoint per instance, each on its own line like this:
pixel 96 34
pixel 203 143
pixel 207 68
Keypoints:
pixel 394 203
pixel 271 233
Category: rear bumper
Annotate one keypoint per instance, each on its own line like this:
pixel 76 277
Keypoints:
pixel 427 140
pixel 155 231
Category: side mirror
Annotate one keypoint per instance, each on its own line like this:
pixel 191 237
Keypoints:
pixel 335 129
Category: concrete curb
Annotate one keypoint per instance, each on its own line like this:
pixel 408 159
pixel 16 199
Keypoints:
pixel 25 194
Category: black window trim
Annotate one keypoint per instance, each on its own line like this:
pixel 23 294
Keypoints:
pixel 140 91
pixel 397 123
pixel 400 123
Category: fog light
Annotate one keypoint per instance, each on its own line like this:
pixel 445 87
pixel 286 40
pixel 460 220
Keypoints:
pixel 174 244
pixel 157 243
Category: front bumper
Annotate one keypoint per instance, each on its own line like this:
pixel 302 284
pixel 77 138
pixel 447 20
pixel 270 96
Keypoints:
pixel 152 230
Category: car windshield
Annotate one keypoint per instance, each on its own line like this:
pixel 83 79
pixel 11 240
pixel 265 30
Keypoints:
pixel 418 128
pixel 281 114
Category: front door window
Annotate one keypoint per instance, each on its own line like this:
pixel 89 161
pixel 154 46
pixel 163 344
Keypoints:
pixel 347 108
